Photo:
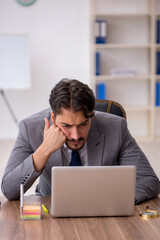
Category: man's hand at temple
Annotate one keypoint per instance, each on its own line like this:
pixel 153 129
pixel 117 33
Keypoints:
pixel 53 140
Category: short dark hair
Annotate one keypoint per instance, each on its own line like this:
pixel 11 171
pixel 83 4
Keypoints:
pixel 72 94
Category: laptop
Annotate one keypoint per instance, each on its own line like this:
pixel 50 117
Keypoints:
pixel 93 191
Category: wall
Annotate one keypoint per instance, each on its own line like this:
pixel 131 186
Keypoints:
pixel 58 32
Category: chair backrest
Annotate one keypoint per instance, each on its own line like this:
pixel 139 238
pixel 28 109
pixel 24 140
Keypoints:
pixel 110 106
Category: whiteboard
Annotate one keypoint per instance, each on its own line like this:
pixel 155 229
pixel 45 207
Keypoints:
pixel 14 62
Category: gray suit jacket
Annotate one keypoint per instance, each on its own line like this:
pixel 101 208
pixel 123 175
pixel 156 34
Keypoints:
pixel 109 143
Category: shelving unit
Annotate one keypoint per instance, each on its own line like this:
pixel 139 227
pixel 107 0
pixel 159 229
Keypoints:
pixel 131 44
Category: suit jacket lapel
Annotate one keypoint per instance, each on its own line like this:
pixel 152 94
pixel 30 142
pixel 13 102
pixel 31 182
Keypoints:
pixel 95 145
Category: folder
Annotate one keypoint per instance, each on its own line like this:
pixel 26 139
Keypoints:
pixel 157 103
pixel 98 64
pixel 100 31
pixel 101 91
pixel 158 63
pixel 158 31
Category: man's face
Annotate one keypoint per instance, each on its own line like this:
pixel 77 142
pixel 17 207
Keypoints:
pixel 74 125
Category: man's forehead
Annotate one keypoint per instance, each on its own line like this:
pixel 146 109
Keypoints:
pixel 70 117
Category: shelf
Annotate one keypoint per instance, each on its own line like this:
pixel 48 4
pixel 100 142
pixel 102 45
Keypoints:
pixel 114 78
pixel 148 14
pixel 105 46
pixel 130 31
pixel 140 139
pixel 137 108
pixel 157 138
pixel 141 108
pixel 157 109
pixel 157 77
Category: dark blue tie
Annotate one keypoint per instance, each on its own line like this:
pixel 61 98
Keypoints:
pixel 75 159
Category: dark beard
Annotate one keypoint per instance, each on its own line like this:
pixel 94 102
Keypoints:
pixel 72 140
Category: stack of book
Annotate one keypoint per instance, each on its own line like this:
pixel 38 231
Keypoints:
pixel 100 31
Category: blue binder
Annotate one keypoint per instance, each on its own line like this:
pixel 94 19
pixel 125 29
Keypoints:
pixel 101 91
pixel 100 31
pixel 97 31
pixel 98 64
pixel 158 31
pixel 158 63
pixel 157 93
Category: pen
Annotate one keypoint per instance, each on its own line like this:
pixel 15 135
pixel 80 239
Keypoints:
pixel 44 208
pixel 21 197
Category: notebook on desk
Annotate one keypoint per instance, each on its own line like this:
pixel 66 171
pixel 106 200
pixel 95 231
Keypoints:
pixel 93 191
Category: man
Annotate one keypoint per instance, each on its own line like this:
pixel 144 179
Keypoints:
pixel 47 139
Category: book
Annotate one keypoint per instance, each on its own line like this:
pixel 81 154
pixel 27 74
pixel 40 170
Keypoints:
pixel 158 31
pixel 157 103
pixel 101 91
pixel 100 31
pixel 158 63
pixel 98 64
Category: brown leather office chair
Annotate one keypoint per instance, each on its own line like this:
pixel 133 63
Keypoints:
pixel 110 106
